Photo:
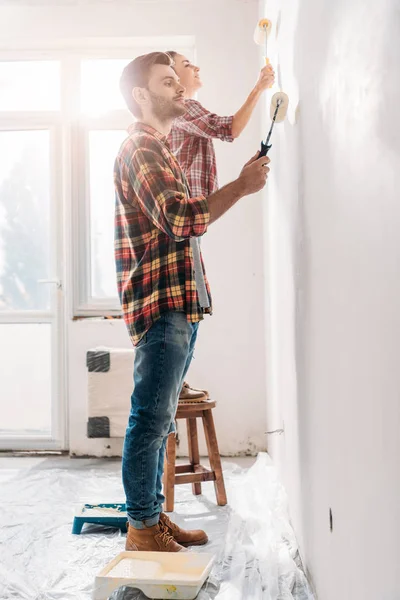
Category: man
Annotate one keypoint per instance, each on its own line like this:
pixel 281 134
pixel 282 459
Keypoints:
pixel 157 227
pixel 191 140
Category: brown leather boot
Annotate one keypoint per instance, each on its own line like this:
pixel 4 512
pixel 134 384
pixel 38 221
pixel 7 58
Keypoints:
pixel 152 539
pixel 196 537
pixel 189 394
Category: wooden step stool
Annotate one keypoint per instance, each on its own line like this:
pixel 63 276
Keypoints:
pixel 194 473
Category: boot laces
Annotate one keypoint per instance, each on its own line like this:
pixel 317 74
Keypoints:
pixel 165 535
pixel 169 524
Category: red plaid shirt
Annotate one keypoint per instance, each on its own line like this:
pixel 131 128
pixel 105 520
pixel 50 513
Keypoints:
pixel 191 141
pixel 155 218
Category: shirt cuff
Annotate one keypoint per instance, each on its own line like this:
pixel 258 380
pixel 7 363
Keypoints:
pixel 201 215
pixel 226 129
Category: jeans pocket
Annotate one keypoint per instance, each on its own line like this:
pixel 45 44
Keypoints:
pixel 142 341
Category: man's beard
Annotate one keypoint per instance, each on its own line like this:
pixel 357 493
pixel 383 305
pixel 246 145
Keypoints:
pixel 165 109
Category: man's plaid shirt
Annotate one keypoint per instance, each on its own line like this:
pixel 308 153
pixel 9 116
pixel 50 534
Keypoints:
pixel 155 218
pixel 191 141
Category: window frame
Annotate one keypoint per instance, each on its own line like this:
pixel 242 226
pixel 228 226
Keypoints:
pixel 83 302
pixel 49 121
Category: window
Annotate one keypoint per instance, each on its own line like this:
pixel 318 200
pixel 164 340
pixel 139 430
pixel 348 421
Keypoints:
pixel 74 95
pixel 24 219
pixel 25 400
pixel 31 393
pixel 97 97
pixel 103 148
pixel 29 85
pixel 102 127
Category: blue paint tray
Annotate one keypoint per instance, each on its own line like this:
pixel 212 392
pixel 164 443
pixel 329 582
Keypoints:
pixel 109 515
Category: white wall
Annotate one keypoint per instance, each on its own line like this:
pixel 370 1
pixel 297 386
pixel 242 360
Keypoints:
pixel 334 264
pixel 230 357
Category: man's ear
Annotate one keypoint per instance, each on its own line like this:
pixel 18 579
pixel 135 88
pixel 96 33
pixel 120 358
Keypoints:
pixel 140 95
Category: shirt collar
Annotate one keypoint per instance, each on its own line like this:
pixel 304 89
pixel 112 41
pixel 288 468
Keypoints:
pixel 138 126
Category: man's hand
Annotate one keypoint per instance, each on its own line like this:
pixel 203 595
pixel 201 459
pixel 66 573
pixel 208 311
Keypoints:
pixel 252 179
pixel 266 79
pixel 254 174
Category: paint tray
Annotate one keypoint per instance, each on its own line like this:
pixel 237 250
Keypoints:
pixel 173 575
pixel 109 515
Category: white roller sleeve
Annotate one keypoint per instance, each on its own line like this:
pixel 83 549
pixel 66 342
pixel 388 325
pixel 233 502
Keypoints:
pixel 110 386
pixel 262 32
pixel 283 99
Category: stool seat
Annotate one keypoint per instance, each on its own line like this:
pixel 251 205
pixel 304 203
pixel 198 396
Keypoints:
pixel 187 408
pixel 194 473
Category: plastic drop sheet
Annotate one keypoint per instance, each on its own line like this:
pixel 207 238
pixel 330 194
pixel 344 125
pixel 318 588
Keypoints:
pixel 256 552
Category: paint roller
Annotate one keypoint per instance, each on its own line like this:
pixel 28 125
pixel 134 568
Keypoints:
pixel 280 101
pixel 279 107
pixel 261 33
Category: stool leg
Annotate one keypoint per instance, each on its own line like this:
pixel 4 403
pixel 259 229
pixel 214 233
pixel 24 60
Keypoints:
pixel 169 473
pixel 215 459
pixel 194 455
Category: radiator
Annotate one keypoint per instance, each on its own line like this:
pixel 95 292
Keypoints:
pixel 110 385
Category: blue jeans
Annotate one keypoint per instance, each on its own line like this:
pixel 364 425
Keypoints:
pixel 162 359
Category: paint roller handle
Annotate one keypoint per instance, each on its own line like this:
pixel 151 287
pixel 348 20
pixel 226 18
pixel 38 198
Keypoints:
pixel 265 148
pixel 266 78
pixel 267 64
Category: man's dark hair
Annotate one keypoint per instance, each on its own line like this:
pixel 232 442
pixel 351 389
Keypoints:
pixel 136 74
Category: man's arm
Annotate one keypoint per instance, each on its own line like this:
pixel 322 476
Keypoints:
pixel 163 198
pixel 252 179
pixel 242 117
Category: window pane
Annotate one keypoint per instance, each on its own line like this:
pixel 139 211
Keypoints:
pixel 103 148
pixel 24 220
pixel 25 382
pixel 100 86
pixel 29 85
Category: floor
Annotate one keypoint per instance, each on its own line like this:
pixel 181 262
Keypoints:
pixel 256 551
